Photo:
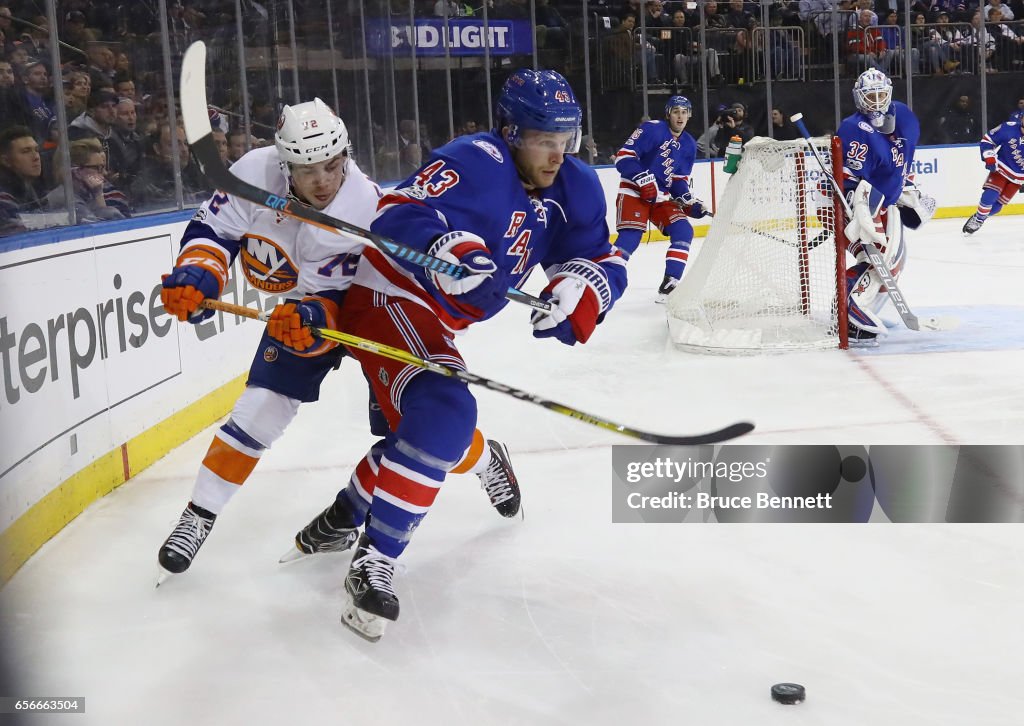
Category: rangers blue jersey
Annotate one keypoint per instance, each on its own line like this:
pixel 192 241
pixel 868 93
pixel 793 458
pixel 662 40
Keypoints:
pixel 472 185
pixel 652 148
pixel 1005 143
pixel 883 160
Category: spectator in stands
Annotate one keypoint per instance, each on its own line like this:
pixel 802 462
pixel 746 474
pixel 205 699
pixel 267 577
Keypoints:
pixel 77 88
pixel 6 26
pixel 17 54
pixel 1008 43
pixel 124 86
pixel 855 19
pixel 945 45
pixel 892 33
pixel 236 144
pixel 126 129
pixel 95 197
pixel 154 186
pixel 21 186
pixel 453 8
pixel 6 74
pixel 782 128
pixel 552 28
pixel 732 122
pixel 865 45
pixel 959 125
pixel 978 36
pixel 220 139
pixel 786 53
pixel 37 97
pixel 469 126
pixel 101 64
pixel 1005 13
pixel 686 54
pixel 98 123
pixel 76 34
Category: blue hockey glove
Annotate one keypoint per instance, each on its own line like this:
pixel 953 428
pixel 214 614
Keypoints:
pixel 480 293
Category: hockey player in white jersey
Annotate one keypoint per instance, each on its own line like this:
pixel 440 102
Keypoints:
pixel 313 268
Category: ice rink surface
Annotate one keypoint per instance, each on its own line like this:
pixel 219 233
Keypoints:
pixel 564 617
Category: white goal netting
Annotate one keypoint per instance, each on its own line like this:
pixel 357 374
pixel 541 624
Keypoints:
pixel 766 277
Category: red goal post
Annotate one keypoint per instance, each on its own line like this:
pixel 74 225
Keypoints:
pixel 771 274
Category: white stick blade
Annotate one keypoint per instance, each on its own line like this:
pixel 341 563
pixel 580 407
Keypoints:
pixel 192 93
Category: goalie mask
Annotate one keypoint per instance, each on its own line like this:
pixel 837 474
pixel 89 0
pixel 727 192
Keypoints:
pixel 308 133
pixel 872 95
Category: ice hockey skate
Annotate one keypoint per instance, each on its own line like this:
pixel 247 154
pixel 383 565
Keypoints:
pixel 667 286
pixel 330 531
pixel 973 224
pixel 370 599
pixel 180 548
pixel 499 481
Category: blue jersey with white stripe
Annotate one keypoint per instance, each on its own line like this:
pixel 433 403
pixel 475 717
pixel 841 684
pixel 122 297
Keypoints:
pixel 472 185
pixel 883 160
pixel 1006 144
pixel 653 148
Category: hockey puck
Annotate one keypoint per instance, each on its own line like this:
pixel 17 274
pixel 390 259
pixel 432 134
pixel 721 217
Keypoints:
pixel 788 693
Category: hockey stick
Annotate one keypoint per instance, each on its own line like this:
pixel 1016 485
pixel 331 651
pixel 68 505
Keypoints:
pixel 873 253
pixel 199 134
pixel 353 341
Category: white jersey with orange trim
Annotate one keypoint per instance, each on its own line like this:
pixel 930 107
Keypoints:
pixel 281 255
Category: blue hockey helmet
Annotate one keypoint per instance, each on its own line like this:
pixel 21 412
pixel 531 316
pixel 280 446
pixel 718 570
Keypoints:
pixel 872 94
pixel 678 102
pixel 539 100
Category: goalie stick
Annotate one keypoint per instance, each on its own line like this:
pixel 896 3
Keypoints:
pixel 873 253
pixel 712 437
pixel 199 134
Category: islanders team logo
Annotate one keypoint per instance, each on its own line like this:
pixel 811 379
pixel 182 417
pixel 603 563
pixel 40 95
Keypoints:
pixel 266 266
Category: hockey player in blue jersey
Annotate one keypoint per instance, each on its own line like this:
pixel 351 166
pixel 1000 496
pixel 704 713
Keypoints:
pixel 878 143
pixel 1002 150
pixel 498 203
pixel 655 164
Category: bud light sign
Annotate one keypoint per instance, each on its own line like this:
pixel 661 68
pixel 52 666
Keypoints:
pixel 463 37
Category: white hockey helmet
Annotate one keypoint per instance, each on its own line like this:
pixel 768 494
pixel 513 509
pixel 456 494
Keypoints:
pixel 310 132
pixel 872 93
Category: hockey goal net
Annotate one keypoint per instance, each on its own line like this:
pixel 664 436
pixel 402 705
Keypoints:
pixel 770 275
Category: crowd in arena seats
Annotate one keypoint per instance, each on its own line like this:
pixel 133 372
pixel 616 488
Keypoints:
pixel 119 144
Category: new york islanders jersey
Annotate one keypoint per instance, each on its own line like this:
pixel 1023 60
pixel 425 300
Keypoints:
pixel 1005 143
pixel 281 255
pixel 884 160
pixel 652 148
pixel 472 185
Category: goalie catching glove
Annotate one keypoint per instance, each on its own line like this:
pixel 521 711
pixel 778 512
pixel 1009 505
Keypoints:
pixel 915 207
pixel 291 324
pixel 481 292
pixel 580 293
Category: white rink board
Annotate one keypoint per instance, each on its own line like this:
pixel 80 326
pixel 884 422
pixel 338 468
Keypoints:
pixel 90 358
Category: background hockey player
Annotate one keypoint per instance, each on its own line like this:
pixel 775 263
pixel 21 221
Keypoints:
pixel 499 203
pixel 655 164
pixel 281 256
pixel 1002 150
pixel 879 142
